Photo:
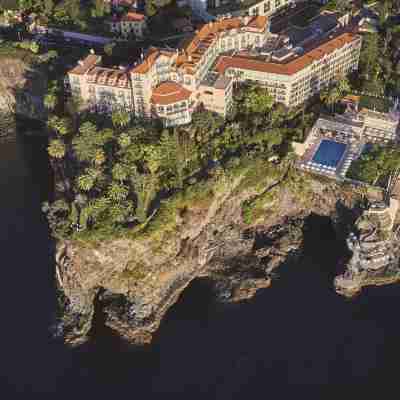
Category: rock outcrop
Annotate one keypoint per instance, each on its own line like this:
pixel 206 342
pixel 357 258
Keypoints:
pixel 375 250
pixel 133 282
pixel 22 87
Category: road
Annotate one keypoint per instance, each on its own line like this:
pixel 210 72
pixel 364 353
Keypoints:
pixel 280 22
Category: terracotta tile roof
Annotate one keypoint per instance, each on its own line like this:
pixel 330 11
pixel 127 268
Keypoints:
pixel 144 67
pixel 291 67
pixel 252 64
pixel 133 17
pixel 108 77
pixel 209 33
pixel 152 54
pixel 84 65
pixel 258 22
pixel 195 47
pixel 169 93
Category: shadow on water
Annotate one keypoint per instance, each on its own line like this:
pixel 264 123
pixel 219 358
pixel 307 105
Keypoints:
pixel 297 331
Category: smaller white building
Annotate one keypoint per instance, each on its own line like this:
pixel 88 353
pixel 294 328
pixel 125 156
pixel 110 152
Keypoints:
pixel 129 25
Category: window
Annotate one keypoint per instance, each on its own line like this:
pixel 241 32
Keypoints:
pixel 267 7
pixel 161 109
pixel 208 93
pixel 75 80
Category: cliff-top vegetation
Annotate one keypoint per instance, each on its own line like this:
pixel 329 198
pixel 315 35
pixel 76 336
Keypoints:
pixel 112 175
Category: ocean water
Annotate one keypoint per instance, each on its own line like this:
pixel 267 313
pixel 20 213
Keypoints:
pixel 298 332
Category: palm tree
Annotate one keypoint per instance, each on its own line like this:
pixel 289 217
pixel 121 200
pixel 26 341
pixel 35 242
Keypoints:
pixel 124 140
pixel 343 86
pixel 87 128
pixel 146 187
pixel 120 172
pixel 50 101
pixel 330 97
pixel 86 182
pixel 120 119
pixel 118 192
pixel 59 125
pixel 56 149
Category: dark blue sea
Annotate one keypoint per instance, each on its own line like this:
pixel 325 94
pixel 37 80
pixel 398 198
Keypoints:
pixel 298 332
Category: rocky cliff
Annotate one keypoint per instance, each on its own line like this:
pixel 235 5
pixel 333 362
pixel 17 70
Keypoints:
pixel 22 86
pixel 374 244
pixel 132 282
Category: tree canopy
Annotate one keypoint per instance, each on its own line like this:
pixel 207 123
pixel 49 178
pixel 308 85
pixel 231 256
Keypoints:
pixel 374 164
pixel 115 170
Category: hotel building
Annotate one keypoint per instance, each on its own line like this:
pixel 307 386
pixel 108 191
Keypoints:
pixel 171 84
pixel 249 7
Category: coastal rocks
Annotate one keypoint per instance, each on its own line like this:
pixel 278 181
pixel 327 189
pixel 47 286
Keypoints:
pixel 375 250
pixel 129 284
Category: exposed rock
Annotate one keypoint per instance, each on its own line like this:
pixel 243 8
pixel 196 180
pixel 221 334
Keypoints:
pixel 375 250
pixel 135 281
pixel 22 87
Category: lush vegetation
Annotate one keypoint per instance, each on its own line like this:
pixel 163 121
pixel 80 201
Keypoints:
pixel 338 5
pixel 68 13
pixel 379 104
pixel 375 164
pixel 112 176
pixel 331 95
pixel 379 71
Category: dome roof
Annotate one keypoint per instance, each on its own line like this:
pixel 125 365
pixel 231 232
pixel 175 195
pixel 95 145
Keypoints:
pixel 169 93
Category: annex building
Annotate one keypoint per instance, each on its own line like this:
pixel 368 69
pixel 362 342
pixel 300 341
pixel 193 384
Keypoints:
pixel 171 84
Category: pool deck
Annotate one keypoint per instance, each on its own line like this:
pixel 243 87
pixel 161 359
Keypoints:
pixel 324 129
pixel 354 129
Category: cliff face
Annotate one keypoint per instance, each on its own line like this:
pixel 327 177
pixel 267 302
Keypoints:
pixel 22 87
pixel 133 282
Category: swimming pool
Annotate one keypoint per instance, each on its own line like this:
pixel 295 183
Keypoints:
pixel 329 153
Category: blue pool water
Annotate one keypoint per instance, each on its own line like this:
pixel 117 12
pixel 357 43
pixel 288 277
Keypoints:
pixel 329 153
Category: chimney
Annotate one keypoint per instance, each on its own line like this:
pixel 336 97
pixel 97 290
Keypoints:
pixel 91 51
pixel 246 19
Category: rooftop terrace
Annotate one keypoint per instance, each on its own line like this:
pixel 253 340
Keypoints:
pixel 214 80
